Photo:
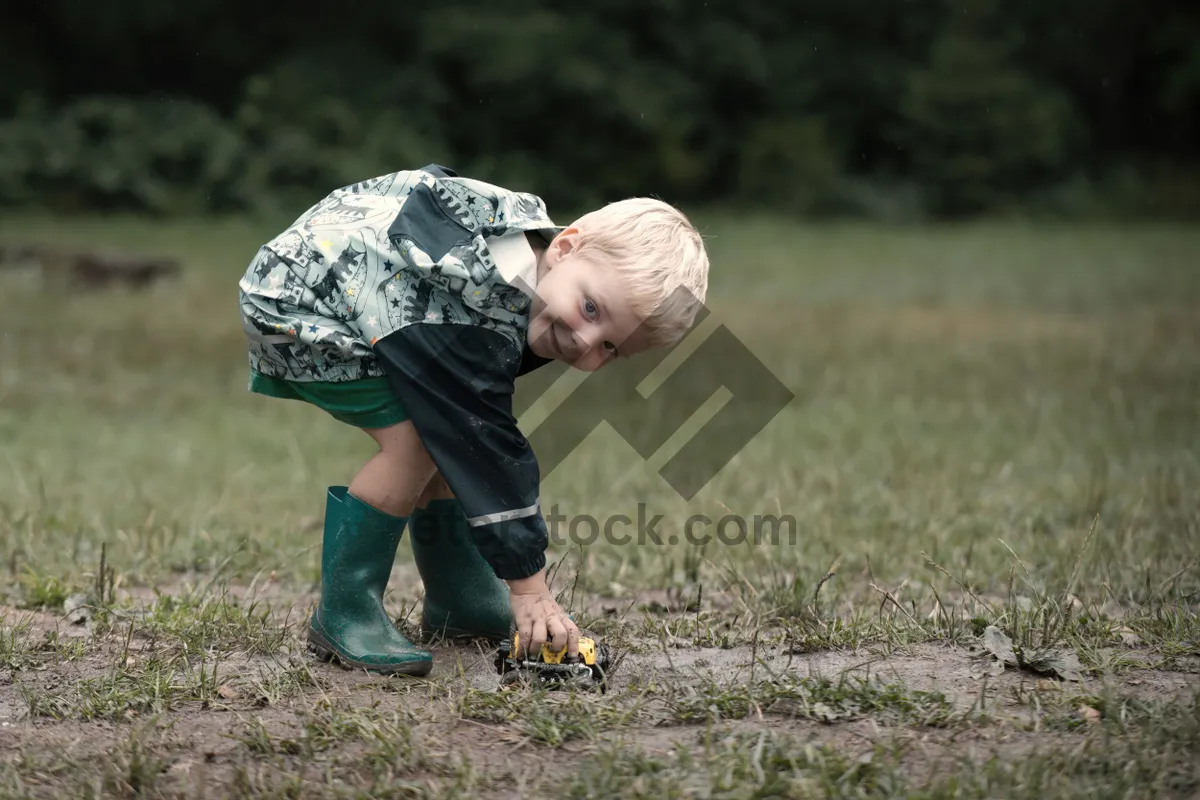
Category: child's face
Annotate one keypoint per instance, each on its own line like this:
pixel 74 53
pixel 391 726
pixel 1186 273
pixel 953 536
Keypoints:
pixel 580 314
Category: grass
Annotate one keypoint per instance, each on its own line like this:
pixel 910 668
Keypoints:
pixel 996 426
pixel 553 718
pixel 131 766
pixel 820 699
pixel 1154 758
pixel 128 689
pixel 194 623
pixel 21 647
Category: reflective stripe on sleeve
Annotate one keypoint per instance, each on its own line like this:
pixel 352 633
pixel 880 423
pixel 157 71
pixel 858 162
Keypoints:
pixel 504 516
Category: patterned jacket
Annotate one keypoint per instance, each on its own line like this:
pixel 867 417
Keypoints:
pixel 397 276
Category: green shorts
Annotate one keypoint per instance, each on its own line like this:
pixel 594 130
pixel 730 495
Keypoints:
pixel 364 403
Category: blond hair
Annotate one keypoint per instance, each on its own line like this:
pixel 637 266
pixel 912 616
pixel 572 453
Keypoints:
pixel 661 256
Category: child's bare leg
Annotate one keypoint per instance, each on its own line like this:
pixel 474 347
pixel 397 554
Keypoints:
pixel 395 477
pixel 435 489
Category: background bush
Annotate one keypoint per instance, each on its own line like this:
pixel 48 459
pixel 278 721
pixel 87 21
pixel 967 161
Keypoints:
pixel 823 107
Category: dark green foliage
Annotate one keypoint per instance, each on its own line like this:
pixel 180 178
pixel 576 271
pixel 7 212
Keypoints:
pixel 980 128
pixel 950 108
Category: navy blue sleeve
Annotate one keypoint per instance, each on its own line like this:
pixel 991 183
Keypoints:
pixel 530 361
pixel 456 382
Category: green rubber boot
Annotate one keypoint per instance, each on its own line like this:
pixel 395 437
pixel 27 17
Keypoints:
pixel 350 625
pixel 463 596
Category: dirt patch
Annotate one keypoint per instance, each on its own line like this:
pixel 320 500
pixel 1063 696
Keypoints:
pixel 253 722
pixel 927 668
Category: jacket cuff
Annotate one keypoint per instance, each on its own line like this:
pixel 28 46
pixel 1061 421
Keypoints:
pixel 514 548
pixel 516 570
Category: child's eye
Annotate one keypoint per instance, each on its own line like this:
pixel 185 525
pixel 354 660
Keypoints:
pixel 589 307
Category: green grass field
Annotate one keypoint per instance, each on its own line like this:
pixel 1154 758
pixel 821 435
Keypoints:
pixel 996 429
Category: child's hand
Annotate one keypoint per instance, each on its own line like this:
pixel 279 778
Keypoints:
pixel 539 618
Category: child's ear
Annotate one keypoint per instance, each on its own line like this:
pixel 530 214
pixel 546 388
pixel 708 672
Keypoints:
pixel 565 242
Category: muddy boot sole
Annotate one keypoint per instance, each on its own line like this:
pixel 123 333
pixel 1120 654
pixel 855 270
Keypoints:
pixel 324 650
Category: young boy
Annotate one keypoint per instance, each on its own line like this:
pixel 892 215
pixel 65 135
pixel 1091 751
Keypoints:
pixel 407 305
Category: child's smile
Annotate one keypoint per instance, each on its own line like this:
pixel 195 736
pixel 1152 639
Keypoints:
pixel 580 313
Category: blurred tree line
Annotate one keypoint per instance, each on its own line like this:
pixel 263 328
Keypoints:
pixel 819 107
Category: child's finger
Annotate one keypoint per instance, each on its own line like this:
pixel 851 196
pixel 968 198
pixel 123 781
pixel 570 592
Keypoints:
pixel 524 637
pixel 525 621
pixel 538 637
pixel 572 639
pixel 558 633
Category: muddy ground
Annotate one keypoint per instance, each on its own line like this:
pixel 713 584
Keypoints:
pixel 247 723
